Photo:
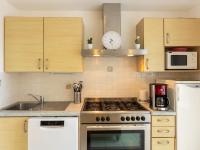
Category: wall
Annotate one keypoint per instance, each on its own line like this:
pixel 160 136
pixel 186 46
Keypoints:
pixel 98 82
pixel 123 81
pixel 9 83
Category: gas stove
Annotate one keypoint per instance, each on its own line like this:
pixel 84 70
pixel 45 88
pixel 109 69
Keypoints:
pixel 114 110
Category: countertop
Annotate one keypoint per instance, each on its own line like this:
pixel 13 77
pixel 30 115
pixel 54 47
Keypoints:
pixel 67 109
pixel 70 110
pixel 169 112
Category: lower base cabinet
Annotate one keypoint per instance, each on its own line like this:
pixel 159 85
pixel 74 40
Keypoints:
pixel 13 133
pixel 163 133
pixel 163 144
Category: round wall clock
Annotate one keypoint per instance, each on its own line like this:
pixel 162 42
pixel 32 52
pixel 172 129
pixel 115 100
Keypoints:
pixel 111 40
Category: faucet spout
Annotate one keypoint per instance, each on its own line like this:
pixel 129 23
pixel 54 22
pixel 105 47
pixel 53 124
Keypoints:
pixel 38 98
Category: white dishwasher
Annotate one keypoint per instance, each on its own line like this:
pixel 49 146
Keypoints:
pixel 53 133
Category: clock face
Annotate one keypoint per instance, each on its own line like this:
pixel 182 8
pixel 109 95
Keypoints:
pixel 111 40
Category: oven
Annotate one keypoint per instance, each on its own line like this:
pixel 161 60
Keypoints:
pixel 115 137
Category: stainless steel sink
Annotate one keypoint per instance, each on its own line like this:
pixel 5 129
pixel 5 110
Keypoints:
pixel 35 106
pixel 21 106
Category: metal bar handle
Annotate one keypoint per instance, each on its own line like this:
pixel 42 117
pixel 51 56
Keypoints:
pixel 147 63
pixel 167 38
pixel 163 120
pixel 116 127
pixel 163 142
pixel 25 126
pixel 39 63
pixel 46 63
pixel 163 131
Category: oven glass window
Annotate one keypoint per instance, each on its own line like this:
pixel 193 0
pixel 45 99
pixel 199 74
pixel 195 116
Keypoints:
pixel 115 140
pixel 179 60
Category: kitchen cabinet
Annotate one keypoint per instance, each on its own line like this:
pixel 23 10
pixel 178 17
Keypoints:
pixel 163 133
pixel 62 44
pixel 150 31
pixel 182 32
pixel 13 133
pixel 23 44
pixel 37 44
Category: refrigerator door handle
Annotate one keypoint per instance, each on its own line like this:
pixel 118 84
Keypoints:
pixel 193 85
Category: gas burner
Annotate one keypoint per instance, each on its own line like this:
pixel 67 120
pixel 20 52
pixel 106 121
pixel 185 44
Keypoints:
pixel 112 104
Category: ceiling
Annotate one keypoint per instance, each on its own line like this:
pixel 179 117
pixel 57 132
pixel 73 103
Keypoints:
pixel 168 5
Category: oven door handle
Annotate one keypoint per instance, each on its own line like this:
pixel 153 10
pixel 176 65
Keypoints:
pixel 134 127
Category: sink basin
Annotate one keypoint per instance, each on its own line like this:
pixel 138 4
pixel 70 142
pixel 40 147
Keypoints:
pixel 21 106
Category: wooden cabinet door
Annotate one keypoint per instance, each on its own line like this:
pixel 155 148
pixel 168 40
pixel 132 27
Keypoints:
pixel 163 144
pixel 182 32
pixel 151 32
pixel 23 44
pixel 63 44
pixel 13 134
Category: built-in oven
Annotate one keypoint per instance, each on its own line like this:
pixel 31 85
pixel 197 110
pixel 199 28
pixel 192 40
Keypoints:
pixel 115 137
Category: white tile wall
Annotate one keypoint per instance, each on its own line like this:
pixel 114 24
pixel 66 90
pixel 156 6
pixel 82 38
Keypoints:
pixel 124 81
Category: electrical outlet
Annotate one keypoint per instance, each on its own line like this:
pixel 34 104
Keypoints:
pixel 68 86
pixel 110 69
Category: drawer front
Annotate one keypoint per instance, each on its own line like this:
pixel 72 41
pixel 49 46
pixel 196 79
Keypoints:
pixel 163 144
pixel 163 121
pixel 163 131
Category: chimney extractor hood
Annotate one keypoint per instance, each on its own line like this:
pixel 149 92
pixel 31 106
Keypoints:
pixel 111 22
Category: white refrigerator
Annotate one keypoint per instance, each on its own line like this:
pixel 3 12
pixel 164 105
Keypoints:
pixel 188 112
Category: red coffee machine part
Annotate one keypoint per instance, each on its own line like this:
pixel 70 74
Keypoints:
pixel 161 90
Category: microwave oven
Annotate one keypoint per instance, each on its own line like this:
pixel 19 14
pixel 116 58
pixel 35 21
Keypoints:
pixel 181 60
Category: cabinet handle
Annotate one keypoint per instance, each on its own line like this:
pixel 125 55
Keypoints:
pixel 147 63
pixel 163 120
pixel 39 63
pixel 46 63
pixel 25 126
pixel 167 38
pixel 163 142
pixel 163 131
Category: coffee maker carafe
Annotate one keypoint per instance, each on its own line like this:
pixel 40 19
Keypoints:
pixel 158 96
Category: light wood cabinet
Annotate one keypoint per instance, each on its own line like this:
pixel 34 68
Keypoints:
pixel 182 32
pixel 13 133
pixel 163 133
pixel 163 121
pixel 37 44
pixel 163 144
pixel 150 31
pixel 23 44
pixel 62 44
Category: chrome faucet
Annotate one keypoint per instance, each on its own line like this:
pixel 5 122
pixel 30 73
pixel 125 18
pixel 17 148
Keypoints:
pixel 38 98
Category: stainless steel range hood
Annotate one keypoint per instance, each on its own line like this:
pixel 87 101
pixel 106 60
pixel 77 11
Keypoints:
pixel 111 22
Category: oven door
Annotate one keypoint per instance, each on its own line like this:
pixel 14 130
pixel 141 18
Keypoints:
pixel 115 137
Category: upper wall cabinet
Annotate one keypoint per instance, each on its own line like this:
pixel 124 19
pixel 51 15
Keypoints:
pixel 62 44
pixel 182 32
pixel 43 44
pixel 150 31
pixel 23 44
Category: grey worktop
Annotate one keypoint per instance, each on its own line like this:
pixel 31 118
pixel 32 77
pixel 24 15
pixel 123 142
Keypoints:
pixel 169 112
pixel 49 109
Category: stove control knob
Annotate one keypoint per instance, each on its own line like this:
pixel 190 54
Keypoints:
pixel 127 118
pixel 107 118
pixel 143 118
pixel 102 118
pixel 97 119
pixel 122 118
pixel 133 118
pixel 138 118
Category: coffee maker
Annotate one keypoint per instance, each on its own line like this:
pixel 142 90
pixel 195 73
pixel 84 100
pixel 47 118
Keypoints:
pixel 158 96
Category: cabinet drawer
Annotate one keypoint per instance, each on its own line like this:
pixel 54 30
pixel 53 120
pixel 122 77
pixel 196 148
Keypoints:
pixel 163 144
pixel 163 120
pixel 163 131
